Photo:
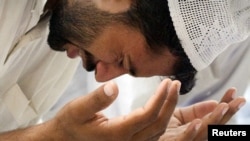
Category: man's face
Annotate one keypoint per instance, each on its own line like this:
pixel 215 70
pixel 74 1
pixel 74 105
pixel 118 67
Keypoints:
pixel 120 50
pixel 111 40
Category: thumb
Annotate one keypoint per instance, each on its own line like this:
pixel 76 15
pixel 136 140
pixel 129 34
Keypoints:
pixel 85 107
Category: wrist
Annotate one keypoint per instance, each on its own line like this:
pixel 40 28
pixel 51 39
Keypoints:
pixel 48 131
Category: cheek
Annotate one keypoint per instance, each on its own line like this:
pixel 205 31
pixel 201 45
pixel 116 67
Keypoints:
pixel 144 67
pixel 151 66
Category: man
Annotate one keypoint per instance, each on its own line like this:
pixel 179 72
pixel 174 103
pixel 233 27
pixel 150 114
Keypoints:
pixel 145 29
pixel 74 28
pixel 231 67
pixel 28 92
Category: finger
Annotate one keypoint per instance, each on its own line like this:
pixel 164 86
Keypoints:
pixel 198 110
pixel 142 117
pixel 167 91
pixel 229 95
pixel 159 126
pixel 85 107
pixel 185 132
pixel 212 118
pixel 171 101
pixel 191 131
pixel 216 116
pixel 154 138
pixel 234 106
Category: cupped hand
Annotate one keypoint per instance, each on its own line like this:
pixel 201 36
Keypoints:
pixel 82 120
pixel 190 123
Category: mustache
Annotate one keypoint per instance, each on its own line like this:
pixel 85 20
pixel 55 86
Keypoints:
pixel 90 67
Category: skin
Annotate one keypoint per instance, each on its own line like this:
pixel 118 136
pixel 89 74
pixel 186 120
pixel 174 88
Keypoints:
pixel 112 56
pixel 117 56
pixel 113 6
pixel 82 120
pixel 111 49
pixel 144 124
pixel 181 121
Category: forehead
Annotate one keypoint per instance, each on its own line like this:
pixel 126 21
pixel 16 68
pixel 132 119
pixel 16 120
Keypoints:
pixel 119 37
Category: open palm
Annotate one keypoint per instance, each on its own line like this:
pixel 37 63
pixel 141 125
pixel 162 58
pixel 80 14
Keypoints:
pixel 190 123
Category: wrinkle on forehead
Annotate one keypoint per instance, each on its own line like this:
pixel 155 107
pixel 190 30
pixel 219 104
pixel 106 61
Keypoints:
pixel 113 6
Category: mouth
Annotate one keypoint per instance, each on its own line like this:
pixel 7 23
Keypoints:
pixel 87 61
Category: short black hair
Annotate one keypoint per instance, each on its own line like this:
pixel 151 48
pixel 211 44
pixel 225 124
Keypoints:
pixel 154 20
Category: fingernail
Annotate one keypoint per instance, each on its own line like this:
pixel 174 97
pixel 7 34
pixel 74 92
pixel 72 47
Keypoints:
pixel 108 90
pixel 225 110
pixel 241 104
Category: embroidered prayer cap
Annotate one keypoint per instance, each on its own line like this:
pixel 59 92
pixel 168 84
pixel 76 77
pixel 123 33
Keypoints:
pixel 207 27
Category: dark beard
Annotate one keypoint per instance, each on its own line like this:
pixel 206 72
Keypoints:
pixel 185 73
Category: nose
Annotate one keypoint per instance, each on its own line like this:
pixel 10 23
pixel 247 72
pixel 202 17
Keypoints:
pixel 72 51
pixel 107 71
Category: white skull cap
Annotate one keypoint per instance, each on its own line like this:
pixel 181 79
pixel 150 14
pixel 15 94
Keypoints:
pixel 206 28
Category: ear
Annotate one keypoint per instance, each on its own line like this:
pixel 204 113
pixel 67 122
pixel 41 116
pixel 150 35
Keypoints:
pixel 113 6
